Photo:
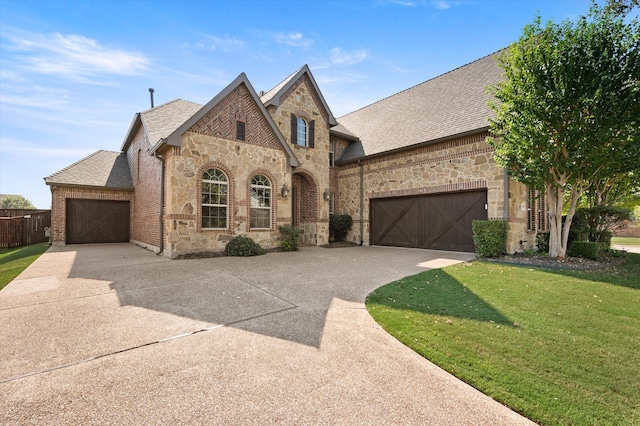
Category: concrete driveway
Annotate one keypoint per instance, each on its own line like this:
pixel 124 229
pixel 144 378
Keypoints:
pixel 113 334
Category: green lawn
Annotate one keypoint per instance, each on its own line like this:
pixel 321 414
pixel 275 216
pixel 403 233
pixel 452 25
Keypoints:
pixel 14 261
pixel 628 241
pixel 559 347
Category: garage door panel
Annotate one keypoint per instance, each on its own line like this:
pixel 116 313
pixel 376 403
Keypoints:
pixel 437 221
pixel 97 221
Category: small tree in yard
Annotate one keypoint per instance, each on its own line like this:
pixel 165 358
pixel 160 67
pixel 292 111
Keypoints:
pixel 568 110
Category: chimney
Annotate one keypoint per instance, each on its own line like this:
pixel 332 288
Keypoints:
pixel 151 94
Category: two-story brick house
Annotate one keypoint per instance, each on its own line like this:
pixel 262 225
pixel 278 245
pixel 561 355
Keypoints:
pixel 412 170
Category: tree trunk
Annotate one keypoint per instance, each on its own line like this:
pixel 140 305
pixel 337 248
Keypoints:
pixel 555 195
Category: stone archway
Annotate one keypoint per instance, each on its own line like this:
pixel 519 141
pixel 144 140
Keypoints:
pixel 305 207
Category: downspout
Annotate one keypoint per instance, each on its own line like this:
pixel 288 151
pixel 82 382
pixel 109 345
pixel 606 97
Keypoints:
pixel 161 223
pixel 361 202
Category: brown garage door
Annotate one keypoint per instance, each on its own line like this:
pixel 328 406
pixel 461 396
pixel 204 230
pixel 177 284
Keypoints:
pixel 438 221
pixel 97 221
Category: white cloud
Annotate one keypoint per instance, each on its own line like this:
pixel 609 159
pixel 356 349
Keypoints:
pixel 292 39
pixel 343 58
pixel 225 44
pixel 441 4
pixel 71 55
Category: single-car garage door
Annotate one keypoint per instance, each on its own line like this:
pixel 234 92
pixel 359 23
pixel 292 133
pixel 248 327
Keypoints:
pixel 437 221
pixel 97 221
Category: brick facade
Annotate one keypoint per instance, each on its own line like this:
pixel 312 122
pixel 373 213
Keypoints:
pixel 146 172
pixel 59 196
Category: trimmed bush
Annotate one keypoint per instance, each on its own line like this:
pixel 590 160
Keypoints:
pixel 585 249
pixel 290 236
pixel 339 225
pixel 489 237
pixel 243 246
pixel 542 241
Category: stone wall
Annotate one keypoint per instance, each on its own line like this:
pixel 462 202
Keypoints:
pixel 240 161
pixel 302 100
pixel 59 195
pixel 456 165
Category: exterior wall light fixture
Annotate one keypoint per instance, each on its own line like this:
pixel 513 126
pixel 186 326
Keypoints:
pixel 326 195
pixel 284 191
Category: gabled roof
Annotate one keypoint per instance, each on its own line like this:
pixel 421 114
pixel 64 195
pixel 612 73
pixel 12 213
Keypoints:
pixel 102 169
pixel 272 97
pixel 175 137
pixel 161 121
pixel 450 105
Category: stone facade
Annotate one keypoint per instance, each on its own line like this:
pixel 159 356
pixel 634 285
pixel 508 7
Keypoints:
pixel 457 165
pixel 312 177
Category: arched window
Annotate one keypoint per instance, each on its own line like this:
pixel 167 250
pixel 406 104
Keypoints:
pixel 301 138
pixel 215 199
pixel 260 203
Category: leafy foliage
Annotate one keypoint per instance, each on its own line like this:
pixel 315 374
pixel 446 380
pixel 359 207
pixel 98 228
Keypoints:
pixel 489 237
pixel 568 111
pixel 542 242
pixel 16 202
pixel 243 246
pixel 596 224
pixel 586 249
pixel 290 235
pixel 339 226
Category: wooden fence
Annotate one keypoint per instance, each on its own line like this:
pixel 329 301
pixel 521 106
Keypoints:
pixel 19 228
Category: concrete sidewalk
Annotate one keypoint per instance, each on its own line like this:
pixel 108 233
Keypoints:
pixel 113 334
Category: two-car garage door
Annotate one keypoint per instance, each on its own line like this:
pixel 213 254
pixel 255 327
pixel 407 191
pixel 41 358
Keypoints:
pixel 436 221
pixel 97 221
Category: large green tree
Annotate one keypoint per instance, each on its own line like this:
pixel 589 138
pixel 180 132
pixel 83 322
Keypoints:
pixel 568 110
pixel 15 202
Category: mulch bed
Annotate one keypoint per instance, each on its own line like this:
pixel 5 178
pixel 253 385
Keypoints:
pixel 573 263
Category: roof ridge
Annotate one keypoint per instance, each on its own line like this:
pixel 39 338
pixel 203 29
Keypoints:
pixel 168 103
pixel 281 84
pixel 420 84
pixel 81 160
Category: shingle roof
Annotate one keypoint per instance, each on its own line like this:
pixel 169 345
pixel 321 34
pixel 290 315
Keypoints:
pixel 103 169
pixel 450 104
pixel 162 120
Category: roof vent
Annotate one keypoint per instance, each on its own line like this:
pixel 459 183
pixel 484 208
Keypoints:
pixel 261 94
pixel 151 94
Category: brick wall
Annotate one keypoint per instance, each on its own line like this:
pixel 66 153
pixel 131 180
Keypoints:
pixel 146 173
pixel 59 195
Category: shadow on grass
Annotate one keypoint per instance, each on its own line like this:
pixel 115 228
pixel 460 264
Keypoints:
pixel 436 293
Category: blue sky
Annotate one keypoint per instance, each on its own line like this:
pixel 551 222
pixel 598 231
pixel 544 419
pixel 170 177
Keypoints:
pixel 74 73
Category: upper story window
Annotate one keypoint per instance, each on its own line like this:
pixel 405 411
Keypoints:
pixel 302 131
pixel 331 155
pixel 301 138
pixel 215 199
pixel 260 217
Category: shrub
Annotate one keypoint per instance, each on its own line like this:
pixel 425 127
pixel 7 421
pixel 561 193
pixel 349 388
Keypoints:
pixel 243 246
pixel 585 249
pixel 597 223
pixel 542 241
pixel 339 225
pixel 489 237
pixel 290 236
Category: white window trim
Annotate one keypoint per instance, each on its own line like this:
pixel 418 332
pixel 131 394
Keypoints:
pixel 226 206
pixel 270 188
pixel 304 141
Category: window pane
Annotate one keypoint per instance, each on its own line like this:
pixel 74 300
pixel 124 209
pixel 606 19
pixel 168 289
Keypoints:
pixel 302 132
pixel 260 218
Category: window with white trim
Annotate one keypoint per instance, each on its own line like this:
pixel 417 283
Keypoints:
pixel 215 199
pixel 301 138
pixel 260 216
